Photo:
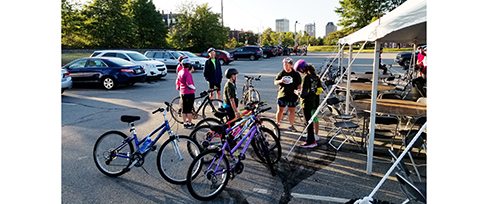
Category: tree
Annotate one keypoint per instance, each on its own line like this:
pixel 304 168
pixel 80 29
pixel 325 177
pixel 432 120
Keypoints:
pixel 148 26
pixel 72 32
pixel 231 44
pixel 356 14
pixel 266 37
pixel 108 23
pixel 197 29
pixel 248 38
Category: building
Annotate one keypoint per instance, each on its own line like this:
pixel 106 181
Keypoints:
pixel 235 34
pixel 170 19
pixel 310 29
pixel 329 28
pixel 282 25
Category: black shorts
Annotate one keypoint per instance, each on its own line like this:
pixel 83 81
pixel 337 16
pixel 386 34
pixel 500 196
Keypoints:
pixel 282 102
pixel 187 100
pixel 215 86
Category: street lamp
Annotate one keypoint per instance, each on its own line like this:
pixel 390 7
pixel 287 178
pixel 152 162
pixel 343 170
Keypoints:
pixel 295 34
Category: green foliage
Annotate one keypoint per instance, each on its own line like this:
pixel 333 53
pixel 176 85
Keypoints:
pixel 333 37
pixel 231 44
pixel 269 37
pixel 197 29
pixel 356 14
pixel 72 31
pixel 248 38
pixel 149 29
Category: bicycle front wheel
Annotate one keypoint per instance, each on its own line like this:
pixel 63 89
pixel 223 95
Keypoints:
pixel 270 124
pixel 175 156
pixel 205 137
pixel 273 144
pixel 208 121
pixel 113 153
pixel 211 107
pixel 207 175
pixel 176 109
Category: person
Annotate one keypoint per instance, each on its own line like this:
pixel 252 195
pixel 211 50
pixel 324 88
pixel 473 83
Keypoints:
pixel 288 81
pixel 230 100
pixel 310 98
pixel 421 66
pixel 212 73
pixel 381 65
pixel 186 87
pixel 179 65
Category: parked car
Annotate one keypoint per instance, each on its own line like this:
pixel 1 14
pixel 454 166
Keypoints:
pixel 168 57
pixel 66 81
pixel 197 62
pixel 223 56
pixel 280 50
pixel 404 58
pixel 251 52
pixel 108 71
pixel 269 51
pixel 153 68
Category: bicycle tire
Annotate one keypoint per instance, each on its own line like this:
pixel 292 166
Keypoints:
pixel 274 146
pixel 200 135
pixel 176 109
pixel 209 121
pixel 170 168
pixel 213 105
pixel 272 124
pixel 103 166
pixel 199 166
pixel 263 148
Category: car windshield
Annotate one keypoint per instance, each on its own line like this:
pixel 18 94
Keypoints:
pixel 176 54
pixel 190 54
pixel 120 62
pixel 137 56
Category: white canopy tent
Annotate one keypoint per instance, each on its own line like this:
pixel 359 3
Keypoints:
pixel 406 23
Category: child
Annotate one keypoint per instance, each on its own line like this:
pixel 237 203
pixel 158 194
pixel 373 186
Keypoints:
pixel 230 94
pixel 184 83
pixel 310 99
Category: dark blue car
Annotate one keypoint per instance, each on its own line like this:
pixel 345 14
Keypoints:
pixel 107 71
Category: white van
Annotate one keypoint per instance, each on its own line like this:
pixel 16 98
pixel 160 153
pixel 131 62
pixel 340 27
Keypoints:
pixel 153 68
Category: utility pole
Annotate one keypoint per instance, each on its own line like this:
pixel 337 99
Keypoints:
pixel 222 21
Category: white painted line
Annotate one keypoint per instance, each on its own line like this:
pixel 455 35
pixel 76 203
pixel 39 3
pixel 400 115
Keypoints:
pixel 83 157
pixel 260 190
pixel 71 104
pixel 322 198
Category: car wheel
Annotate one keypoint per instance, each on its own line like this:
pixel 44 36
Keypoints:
pixel 108 83
pixel 252 57
pixel 221 61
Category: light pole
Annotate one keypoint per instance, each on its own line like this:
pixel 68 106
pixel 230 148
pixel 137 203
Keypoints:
pixel 222 21
pixel 295 34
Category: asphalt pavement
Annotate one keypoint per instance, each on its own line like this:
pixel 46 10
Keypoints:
pixel 320 175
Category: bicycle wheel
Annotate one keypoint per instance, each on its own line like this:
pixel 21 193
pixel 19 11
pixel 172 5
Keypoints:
pixel 211 107
pixel 270 124
pixel 176 109
pixel 206 180
pixel 175 156
pixel 205 137
pixel 208 121
pixel 265 152
pixel 273 144
pixel 112 153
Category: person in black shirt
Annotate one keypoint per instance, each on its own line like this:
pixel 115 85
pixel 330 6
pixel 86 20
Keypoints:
pixel 288 81
pixel 230 94
pixel 212 72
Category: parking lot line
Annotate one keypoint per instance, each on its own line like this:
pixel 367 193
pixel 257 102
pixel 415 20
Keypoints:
pixel 322 198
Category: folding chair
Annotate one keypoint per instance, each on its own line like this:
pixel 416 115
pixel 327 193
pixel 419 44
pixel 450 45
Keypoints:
pixel 413 191
pixel 420 142
pixel 382 132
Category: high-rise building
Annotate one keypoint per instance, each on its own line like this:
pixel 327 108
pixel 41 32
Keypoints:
pixel 282 25
pixel 310 29
pixel 329 28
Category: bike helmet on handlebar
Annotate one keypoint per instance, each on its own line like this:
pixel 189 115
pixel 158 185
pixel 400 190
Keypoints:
pixel 229 72
pixel 300 66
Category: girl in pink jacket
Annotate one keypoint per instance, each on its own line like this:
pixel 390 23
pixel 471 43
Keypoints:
pixel 186 88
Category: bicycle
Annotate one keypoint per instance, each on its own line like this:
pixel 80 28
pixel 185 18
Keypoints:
pixel 249 94
pixel 208 106
pixel 221 117
pixel 115 153
pixel 218 169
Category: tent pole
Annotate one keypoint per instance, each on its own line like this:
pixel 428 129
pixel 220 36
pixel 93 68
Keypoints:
pixel 348 82
pixel 375 77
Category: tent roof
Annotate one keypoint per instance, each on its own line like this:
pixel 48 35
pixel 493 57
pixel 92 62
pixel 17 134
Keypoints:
pixel 406 23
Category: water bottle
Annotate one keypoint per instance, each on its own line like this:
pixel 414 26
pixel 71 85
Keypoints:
pixel 145 145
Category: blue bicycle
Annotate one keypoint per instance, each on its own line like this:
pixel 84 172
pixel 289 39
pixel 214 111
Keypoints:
pixel 115 153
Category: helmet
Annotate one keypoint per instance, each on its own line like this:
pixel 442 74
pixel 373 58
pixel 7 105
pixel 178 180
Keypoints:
pixel 229 72
pixel 186 63
pixel 210 50
pixel 288 60
pixel 180 58
pixel 300 66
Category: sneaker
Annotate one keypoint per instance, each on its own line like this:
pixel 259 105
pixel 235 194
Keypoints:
pixel 292 129
pixel 190 125
pixel 311 145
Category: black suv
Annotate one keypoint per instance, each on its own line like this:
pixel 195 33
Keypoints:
pixel 251 52
pixel 269 51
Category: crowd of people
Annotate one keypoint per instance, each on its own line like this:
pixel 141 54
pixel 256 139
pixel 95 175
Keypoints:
pixel 293 89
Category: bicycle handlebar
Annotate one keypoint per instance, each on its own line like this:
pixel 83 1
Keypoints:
pixel 167 104
pixel 158 110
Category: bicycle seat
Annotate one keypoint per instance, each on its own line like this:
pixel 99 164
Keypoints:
pixel 129 118
pixel 220 114
pixel 203 93
pixel 333 101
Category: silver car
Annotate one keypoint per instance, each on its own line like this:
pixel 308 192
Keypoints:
pixel 66 82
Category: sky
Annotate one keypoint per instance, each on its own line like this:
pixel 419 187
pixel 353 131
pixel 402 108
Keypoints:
pixel 257 15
